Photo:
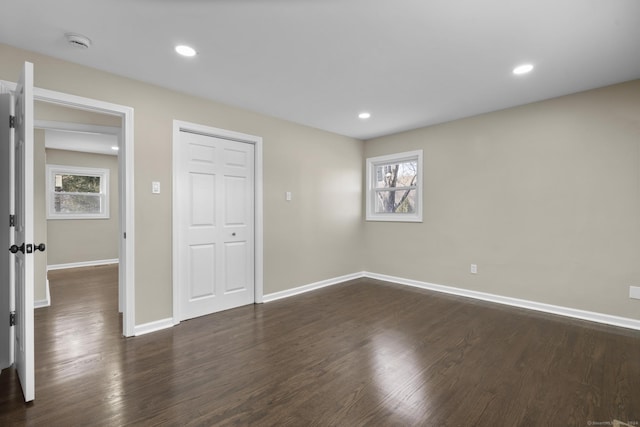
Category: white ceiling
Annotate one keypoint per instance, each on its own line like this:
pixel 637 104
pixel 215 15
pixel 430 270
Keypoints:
pixel 410 63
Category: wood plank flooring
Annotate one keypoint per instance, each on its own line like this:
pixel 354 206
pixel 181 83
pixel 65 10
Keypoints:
pixel 360 353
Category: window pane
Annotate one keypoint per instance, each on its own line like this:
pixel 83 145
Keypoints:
pixel 403 201
pixel 392 187
pixel 77 183
pixel 397 174
pixel 77 203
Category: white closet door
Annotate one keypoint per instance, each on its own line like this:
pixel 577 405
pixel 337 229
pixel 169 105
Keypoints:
pixel 215 187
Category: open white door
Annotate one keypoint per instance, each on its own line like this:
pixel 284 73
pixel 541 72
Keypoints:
pixel 6 235
pixel 23 231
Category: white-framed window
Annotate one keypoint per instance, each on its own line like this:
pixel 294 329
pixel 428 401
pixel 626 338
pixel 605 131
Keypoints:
pixel 394 187
pixel 77 192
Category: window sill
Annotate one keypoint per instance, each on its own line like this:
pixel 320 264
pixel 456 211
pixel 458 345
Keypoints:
pixel 75 217
pixel 392 219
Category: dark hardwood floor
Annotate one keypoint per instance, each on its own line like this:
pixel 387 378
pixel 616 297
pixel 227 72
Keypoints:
pixel 361 353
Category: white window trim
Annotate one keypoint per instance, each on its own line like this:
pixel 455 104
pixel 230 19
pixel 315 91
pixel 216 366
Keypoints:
pixel 52 170
pixel 372 162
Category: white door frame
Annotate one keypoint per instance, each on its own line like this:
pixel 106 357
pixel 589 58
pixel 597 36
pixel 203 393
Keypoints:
pixel 179 126
pixel 126 174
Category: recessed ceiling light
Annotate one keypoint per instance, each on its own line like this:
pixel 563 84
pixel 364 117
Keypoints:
pixel 522 69
pixel 185 50
pixel 115 148
pixel 364 115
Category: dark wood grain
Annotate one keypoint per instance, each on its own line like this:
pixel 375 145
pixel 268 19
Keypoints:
pixel 360 353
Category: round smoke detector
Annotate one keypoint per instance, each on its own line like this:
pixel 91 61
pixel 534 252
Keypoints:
pixel 78 40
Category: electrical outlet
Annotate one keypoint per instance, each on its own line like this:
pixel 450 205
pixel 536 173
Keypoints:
pixel 287 196
pixel 474 269
pixel 634 292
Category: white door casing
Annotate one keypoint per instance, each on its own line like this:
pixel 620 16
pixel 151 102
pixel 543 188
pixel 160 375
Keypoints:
pixel 23 232
pixel 216 233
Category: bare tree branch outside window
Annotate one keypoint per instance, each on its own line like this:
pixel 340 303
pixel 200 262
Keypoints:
pixel 396 187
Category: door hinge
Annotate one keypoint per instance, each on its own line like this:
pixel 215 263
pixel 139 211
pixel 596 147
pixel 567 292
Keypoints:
pixel 125 235
pixel 12 318
pixel 12 122
pixel 12 220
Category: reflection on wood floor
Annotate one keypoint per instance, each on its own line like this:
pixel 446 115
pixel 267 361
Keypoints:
pixel 360 353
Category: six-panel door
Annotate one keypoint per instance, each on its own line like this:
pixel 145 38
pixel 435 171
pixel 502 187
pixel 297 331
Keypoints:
pixel 215 187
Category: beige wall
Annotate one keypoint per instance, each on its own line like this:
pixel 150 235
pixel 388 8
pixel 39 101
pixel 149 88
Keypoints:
pixel 306 240
pixel 81 240
pixel 544 198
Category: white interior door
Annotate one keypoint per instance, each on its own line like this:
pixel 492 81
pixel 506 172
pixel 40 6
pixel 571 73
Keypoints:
pixel 23 232
pixel 215 187
pixel 6 234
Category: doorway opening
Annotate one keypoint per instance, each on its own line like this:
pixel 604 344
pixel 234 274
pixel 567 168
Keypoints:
pixel 76 194
pixel 126 199
pixel 126 229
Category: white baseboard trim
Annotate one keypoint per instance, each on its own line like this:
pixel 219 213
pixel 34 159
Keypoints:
pixel 155 326
pixel 591 316
pixel 311 287
pixel 44 302
pixel 82 264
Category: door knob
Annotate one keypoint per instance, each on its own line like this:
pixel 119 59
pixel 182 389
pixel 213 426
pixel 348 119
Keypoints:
pixel 14 249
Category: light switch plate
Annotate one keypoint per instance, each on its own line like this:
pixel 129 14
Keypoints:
pixel 155 187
